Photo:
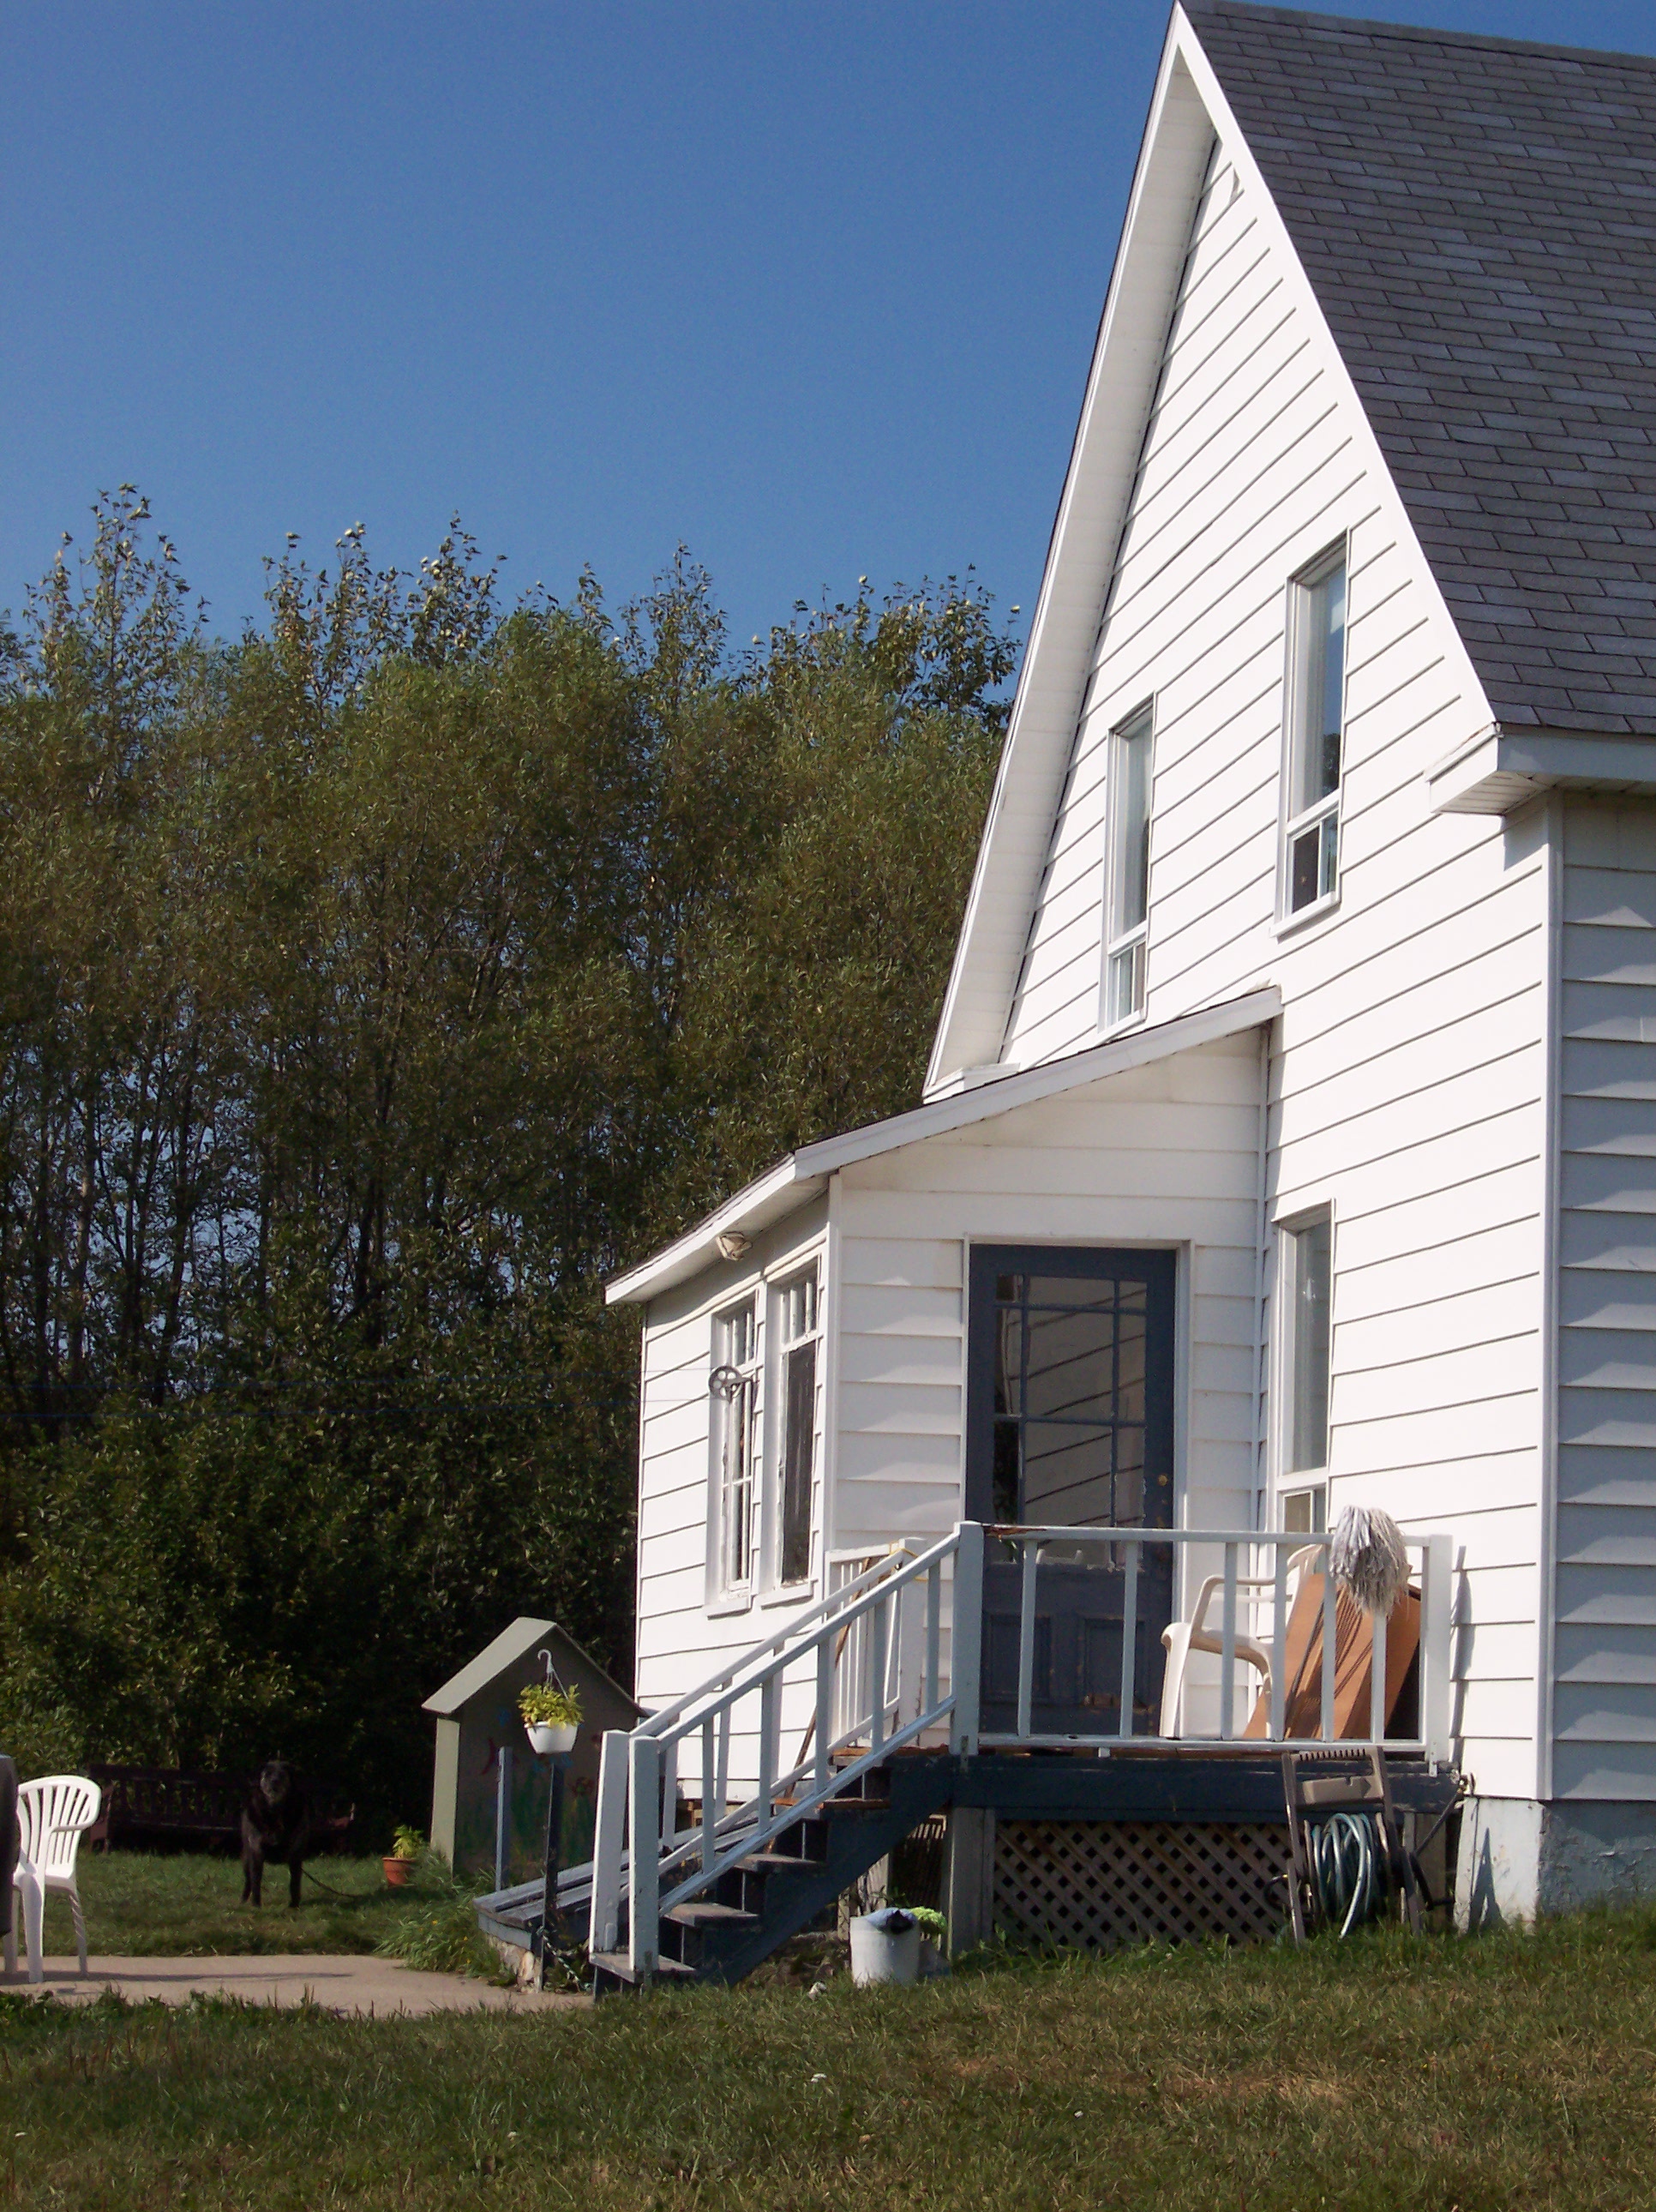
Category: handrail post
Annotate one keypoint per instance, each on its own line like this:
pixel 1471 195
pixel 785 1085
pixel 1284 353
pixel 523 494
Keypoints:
pixel 879 1667
pixel 609 1828
pixel 824 1705
pixel 1128 1632
pixel 1436 1703
pixel 1331 1646
pixel 1228 1649
pixel 644 1872
pixel 965 1639
pixel 767 1738
pixel 1027 1638
pixel 933 1632
pixel 1377 1715
pixel 1279 1642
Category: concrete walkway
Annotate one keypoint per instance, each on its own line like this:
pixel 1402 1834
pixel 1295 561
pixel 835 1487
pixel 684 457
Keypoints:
pixel 343 1984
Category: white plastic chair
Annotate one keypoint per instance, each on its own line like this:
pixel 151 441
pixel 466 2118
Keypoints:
pixel 1180 1638
pixel 52 1815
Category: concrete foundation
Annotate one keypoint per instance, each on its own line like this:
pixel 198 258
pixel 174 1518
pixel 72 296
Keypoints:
pixel 1519 1858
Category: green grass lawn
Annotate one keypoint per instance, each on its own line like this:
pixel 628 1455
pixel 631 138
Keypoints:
pixel 188 1905
pixel 1508 2072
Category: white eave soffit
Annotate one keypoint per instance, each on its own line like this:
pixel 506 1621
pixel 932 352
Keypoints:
pixel 800 1177
pixel 1500 770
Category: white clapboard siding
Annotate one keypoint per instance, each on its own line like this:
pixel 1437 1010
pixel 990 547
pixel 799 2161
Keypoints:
pixel 1409 1074
pixel 1604 1658
pixel 1078 1169
pixel 681 1637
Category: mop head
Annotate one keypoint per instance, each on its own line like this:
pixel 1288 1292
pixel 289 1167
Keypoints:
pixel 1368 1557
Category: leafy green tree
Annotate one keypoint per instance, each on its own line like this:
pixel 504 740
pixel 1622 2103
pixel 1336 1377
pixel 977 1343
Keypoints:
pixel 371 986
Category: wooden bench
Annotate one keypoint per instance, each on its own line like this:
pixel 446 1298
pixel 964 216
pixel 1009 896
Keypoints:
pixel 159 1804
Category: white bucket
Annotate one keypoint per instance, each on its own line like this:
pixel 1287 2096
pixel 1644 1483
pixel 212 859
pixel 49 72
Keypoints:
pixel 880 1952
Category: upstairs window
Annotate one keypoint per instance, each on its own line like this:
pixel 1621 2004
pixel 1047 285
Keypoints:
pixel 1308 1300
pixel 735 1395
pixel 798 1332
pixel 1126 893
pixel 1316 733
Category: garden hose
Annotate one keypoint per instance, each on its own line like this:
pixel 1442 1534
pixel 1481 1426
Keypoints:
pixel 1350 1868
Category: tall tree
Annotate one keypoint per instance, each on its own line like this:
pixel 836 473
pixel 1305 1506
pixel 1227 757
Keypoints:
pixel 371 986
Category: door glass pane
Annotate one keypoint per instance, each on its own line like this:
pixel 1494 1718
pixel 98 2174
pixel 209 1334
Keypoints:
pixel 1071 1366
pixel 1067 1473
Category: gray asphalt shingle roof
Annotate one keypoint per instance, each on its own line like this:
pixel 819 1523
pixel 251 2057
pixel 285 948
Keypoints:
pixel 1477 218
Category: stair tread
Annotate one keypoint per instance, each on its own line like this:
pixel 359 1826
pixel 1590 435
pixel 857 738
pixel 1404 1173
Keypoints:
pixel 618 1963
pixel 778 1862
pixel 703 1911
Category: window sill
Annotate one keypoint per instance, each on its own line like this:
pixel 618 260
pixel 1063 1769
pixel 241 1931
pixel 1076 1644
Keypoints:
pixel 733 1601
pixel 789 1594
pixel 1291 925
pixel 1136 1020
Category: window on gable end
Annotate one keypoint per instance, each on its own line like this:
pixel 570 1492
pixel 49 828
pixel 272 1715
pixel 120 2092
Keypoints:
pixel 1127 883
pixel 1316 734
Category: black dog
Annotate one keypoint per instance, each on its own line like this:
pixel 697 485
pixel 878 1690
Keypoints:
pixel 275 1824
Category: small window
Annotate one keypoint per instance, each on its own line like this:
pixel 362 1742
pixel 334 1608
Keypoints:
pixel 1127 891
pixel 797 1314
pixel 1316 734
pixel 1308 1282
pixel 736 1387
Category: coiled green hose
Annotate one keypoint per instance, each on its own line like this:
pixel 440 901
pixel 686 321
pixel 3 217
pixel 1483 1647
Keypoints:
pixel 1350 1868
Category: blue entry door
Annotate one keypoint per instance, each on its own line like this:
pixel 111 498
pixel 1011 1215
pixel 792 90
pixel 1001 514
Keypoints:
pixel 1069 1368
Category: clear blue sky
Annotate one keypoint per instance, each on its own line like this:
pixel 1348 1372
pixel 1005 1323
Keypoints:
pixel 809 287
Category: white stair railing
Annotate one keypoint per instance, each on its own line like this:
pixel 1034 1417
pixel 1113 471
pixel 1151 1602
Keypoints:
pixel 867 1664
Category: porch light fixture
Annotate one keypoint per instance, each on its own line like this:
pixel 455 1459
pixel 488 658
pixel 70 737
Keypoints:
pixel 732 1243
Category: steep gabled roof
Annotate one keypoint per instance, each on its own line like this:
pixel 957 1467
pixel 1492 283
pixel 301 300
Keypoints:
pixel 1471 223
pixel 1477 219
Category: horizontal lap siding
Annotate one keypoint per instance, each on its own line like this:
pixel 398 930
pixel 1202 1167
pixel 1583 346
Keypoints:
pixel 1409 1078
pixel 1604 1657
pixel 1079 1170
pixel 680 1642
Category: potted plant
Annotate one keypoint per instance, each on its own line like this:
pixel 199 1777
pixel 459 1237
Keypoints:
pixel 406 1845
pixel 551 1716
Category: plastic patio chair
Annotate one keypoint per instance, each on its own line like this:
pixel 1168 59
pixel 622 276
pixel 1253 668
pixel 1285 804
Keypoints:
pixel 1180 1638
pixel 52 1815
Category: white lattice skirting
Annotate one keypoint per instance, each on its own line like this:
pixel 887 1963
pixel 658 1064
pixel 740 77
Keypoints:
pixel 1095 1885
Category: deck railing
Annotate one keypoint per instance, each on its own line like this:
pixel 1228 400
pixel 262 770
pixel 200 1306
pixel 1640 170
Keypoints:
pixel 867 1664
pixel 1261 1572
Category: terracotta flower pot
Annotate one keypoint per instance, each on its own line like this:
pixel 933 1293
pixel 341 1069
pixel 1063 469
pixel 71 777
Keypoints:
pixel 398 1871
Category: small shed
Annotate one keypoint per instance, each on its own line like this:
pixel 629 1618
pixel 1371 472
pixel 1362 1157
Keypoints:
pixel 480 1746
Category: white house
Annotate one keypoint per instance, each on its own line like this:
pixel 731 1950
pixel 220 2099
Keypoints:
pixel 1289 1138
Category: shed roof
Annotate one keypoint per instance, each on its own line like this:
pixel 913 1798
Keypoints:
pixel 787 1186
pixel 1477 219
pixel 510 1648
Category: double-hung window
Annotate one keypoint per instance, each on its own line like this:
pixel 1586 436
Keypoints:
pixel 799 1338
pixel 736 1444
pixel 1126 890
pixel 1316 734
pixel 1307 1250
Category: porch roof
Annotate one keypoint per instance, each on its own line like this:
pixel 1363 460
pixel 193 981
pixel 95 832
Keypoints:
pixel 803 1175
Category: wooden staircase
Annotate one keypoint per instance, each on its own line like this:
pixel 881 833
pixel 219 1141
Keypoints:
pixel 782 1889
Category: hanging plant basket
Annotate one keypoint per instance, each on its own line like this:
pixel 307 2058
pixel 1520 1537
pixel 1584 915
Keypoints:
pixel 551 1738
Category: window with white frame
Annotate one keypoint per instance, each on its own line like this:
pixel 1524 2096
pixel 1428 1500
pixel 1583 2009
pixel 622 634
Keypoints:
pixel 1316 734
pixel 736 1396
pixel 1307 1248
pixel 797 1337
pixel 1126 893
